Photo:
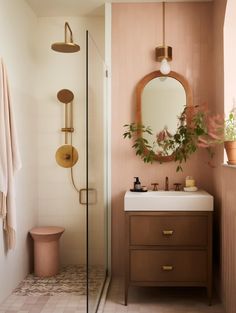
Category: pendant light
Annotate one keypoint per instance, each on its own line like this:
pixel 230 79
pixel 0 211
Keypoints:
pixel 164 53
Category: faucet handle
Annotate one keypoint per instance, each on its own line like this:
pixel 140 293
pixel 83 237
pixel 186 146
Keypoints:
pixel 154 186
pixel 177 186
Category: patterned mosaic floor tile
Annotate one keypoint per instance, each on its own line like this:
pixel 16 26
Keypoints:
pixel 71 279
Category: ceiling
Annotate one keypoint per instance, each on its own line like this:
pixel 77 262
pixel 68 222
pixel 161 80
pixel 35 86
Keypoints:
pixel 43 8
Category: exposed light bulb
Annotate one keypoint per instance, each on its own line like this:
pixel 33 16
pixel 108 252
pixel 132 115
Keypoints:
pixel 165 67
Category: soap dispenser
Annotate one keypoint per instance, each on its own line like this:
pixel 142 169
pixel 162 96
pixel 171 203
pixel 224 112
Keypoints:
pixel 137 184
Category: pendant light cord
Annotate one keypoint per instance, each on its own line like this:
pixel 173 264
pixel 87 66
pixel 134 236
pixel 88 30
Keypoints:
pixel 163 21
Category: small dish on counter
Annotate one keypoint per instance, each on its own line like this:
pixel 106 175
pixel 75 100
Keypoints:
pixel 191 189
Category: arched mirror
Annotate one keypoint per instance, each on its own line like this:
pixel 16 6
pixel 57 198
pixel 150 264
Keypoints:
pixel 160 100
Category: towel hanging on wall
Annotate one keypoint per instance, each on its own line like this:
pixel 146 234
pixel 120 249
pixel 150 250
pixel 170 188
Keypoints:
pixel 10 160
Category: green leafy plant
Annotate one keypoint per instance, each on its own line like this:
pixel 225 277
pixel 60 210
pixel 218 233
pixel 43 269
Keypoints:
pixel 141 145
pixel 196 129
pixel 230 127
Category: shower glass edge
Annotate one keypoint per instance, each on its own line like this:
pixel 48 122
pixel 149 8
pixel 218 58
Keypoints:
pixel 96 174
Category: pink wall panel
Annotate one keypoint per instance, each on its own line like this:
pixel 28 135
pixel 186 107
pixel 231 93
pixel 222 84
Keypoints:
pixel 136 31
pixel 224 178
pixel 228 239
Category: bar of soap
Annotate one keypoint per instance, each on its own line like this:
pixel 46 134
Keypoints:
pixel 190 183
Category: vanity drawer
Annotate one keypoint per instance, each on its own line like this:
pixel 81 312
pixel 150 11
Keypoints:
pixel 168 266
pixel 185 230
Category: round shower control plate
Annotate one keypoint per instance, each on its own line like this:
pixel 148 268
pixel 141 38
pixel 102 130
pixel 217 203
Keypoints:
pixel 67 156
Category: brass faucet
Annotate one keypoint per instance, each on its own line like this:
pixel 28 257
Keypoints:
pixel 167 184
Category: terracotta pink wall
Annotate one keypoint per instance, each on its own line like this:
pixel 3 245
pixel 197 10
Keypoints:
pixel 224 178
pixel 136 31
pixel 228 230
pixel 218 100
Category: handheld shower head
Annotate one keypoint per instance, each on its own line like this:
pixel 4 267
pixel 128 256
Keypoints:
pixel 68 46
pixel 65 96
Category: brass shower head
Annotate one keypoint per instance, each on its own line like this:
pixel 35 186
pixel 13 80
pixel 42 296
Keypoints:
pixel 68 46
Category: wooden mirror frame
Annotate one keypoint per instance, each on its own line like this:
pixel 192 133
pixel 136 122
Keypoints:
pixel 139 89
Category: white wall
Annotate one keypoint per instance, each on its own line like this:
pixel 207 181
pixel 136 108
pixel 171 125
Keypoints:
pixel 58 201
pixel 17 25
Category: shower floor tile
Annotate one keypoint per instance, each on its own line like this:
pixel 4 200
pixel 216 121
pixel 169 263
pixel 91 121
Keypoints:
pixel 71 279
pixel 63 293
pixel 39 304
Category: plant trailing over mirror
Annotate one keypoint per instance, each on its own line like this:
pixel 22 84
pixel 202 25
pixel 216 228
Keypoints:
pixel 141 145
pixel 197 128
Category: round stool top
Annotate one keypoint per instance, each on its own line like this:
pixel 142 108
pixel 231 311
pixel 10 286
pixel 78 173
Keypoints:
pixel 47 230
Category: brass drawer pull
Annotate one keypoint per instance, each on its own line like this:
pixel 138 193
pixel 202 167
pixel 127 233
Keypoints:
pixel 167 232
pixel 167 267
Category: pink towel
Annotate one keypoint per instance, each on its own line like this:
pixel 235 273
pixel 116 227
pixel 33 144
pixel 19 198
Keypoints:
pixel 10 160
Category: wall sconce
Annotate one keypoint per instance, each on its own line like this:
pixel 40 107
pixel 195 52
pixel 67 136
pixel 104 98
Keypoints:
pixel 164 53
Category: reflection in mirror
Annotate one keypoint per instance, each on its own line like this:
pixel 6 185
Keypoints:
pixel 163 100
pixel 160 101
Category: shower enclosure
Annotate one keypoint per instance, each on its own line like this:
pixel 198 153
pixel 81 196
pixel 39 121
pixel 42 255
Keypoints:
pixel 95 193
pixel 96 174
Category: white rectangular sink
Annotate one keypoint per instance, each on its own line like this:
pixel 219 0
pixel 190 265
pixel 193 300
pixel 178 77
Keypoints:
pixel 168 201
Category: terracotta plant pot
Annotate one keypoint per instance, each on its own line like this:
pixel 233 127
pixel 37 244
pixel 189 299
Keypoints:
pixel 230 147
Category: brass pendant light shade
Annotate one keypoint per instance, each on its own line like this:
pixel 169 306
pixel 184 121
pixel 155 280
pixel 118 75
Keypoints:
pixel 163 52
pixel 68 46
pixel 67 156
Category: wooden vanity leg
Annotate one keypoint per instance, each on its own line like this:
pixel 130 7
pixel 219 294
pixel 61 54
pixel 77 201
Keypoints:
pixel 209 285
pixel 209 294
pixel 126 293
pixel 127 260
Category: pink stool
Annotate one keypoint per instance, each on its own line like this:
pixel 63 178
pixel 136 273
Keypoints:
pixel 46 250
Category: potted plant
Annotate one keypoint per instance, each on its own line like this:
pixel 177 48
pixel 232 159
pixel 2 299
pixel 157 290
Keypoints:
pixel 197 128
pixel 230 138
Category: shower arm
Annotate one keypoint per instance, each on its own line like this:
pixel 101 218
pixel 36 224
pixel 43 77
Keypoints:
pixel 67 26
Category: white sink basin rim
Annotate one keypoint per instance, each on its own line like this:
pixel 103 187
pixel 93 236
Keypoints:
pixel 168 201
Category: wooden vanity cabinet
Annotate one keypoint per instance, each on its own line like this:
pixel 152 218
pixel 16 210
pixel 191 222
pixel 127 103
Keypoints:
pixel 168 249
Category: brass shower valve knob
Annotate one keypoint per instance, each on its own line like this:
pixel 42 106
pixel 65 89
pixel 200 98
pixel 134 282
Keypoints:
pixel 67 156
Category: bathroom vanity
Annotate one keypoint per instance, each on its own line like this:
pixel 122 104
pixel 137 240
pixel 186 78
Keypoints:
pixel 168 239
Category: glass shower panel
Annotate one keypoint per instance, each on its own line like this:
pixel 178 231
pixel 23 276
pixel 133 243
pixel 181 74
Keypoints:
pixel 96 176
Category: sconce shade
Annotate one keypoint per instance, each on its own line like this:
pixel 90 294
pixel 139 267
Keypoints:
pixel 163 52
